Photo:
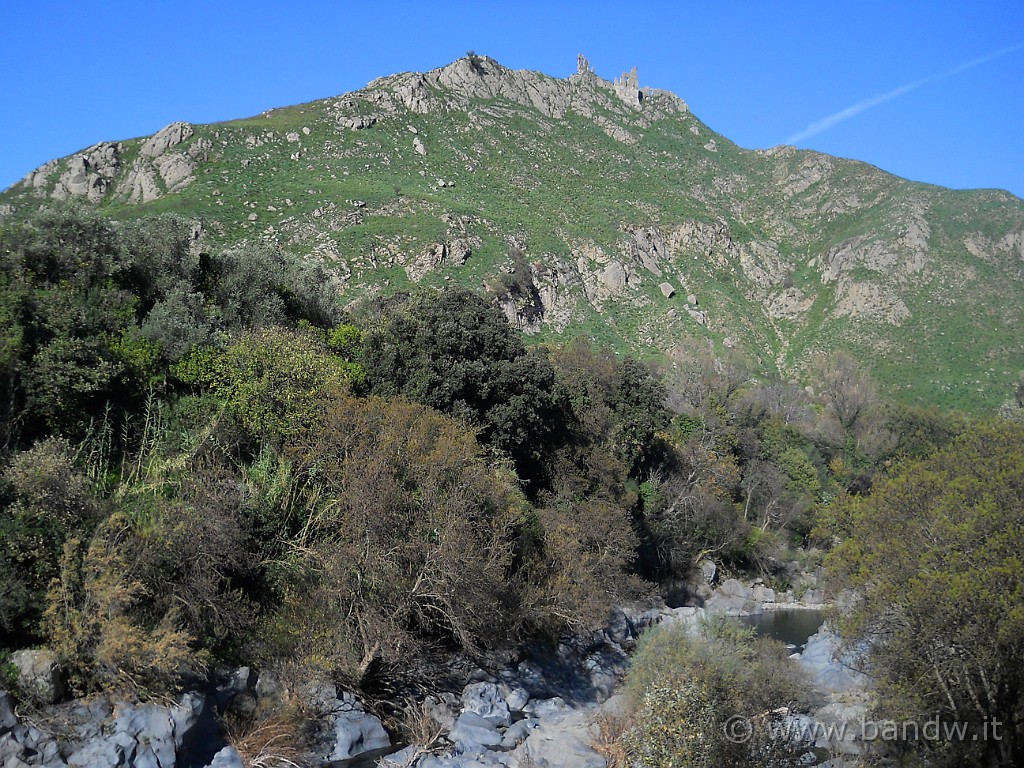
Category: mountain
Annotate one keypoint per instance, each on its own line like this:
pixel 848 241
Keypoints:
pixel 588 206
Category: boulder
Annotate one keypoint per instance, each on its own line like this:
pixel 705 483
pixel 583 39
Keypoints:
pixel 565 743
pixel 7 718
pixel 358 732
pixel 101 753
pixel 39 675
pixel 667 290
pixel 485 700
pixel 472 732
pixel 516 697
pixel 227 758
pixel 518 732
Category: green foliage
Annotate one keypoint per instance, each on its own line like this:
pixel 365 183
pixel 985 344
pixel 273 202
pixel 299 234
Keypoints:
pixel 676 725
pixel 273 381
pixel 455 352
pixel 685 688
pixel 934 556
pixel 616 402
pixel 47 502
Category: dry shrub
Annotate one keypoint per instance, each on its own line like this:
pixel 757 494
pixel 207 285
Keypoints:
pixel 609 739
pixel 94 624
pixel 420 729
pixel 271 737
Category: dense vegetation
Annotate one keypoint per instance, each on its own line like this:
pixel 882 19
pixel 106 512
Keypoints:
pixel 205 460
pixel 715 700
pixel 934 557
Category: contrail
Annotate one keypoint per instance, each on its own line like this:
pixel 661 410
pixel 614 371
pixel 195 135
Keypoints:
pixel 824 124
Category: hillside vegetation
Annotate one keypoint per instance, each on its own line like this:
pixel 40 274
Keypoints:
pixel 590 208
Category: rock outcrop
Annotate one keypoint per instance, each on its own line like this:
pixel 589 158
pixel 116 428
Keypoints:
pixel 88 174
pixel 99 734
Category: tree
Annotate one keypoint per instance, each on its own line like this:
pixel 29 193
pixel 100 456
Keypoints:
pixel 616 402
pixel 274 381
pixel 455 352
pixel 934 558
pixel 408 542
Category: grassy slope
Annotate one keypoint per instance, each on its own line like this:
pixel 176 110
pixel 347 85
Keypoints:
pixel 550 183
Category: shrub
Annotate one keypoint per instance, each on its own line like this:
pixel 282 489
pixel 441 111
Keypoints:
pixel 93 626
pixel 408 542
pixel 49 503
pixel 685 688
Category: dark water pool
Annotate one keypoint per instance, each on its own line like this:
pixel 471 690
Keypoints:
pixel 792 626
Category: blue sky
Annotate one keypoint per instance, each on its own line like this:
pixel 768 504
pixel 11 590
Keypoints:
pixel 933 91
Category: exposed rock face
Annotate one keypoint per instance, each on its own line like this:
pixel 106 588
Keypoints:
pixel 89 174
pixel 165 138
pixel 157 171
pixel 455 252
pixel 93 173
pixel 627 88
pixel 464 81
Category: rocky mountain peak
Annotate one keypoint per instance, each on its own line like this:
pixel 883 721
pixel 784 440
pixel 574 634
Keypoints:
pixel 477 77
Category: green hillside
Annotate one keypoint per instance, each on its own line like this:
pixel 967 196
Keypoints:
pixel 587 207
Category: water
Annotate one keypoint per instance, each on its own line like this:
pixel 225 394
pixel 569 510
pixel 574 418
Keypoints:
pixel 792 626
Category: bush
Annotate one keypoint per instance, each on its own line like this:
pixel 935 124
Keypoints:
pixel 408 542
pixel 49 502
pixel 273 381
pixel 93 626
pixel 676 725
pixel 684 689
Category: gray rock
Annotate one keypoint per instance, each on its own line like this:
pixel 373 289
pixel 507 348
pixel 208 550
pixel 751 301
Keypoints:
pixel 90 173
pixel 358 732
pixel 10 748
pixel 700 318
pixel 417 144
pixel 165 138
pixel 518 732
pixel 176 170
pixel 7 718
pixel 227 758
pixel 516 697
pixel 358 122
pixel 667 290
pixel 549 709
pixel 485 700
pixel 627 88
pixel 565 744
pixel 101 753
pixel 471 730
pixel 39 675
pixel 139 184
